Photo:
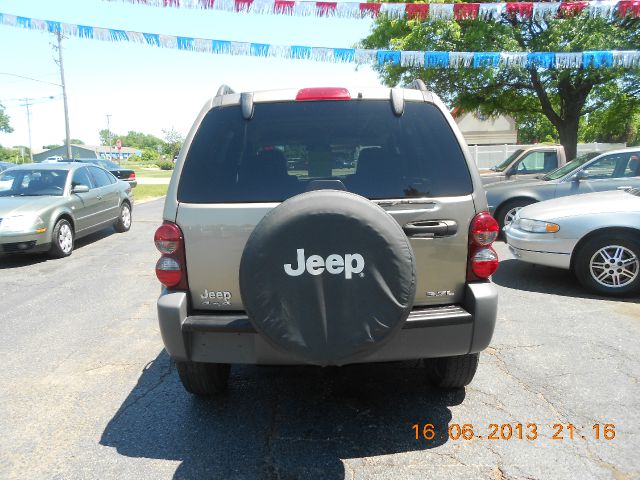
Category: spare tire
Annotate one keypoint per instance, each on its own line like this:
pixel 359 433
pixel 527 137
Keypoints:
pixel 327 277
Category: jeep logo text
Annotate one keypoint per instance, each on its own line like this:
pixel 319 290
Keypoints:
pixel 352 263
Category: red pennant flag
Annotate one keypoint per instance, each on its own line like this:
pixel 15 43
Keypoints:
pixel 520 9
pixel 370 9
pixel 243 5
pixel 417 11
pixel 325 8
pixel 629 8
pixel 571 9
pixel 284 6
pixel 464 11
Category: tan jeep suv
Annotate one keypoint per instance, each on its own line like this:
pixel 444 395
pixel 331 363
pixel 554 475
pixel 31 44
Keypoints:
pixel 325 226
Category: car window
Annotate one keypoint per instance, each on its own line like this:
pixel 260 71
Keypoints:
pixel 100 177
pixel 534 162
pixel 33 182
pixel 81 177
pixel 505 163
pixel 570 167
pixel 609 166
pixel 285 146
pixel 633 165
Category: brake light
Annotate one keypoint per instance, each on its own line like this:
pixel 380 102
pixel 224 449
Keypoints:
pixel 483 259
pixel 323 93
pixel 171 268
pixel 132 176
pixel 484 229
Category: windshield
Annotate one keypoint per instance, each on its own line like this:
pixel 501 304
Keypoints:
pixel 32 183
pixel 502 166
pixel 571 166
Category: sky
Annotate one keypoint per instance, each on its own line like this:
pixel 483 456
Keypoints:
pixel 148 89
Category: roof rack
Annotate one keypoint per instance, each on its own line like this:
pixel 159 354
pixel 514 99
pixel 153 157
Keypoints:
pixel 418 84
pixel 224 90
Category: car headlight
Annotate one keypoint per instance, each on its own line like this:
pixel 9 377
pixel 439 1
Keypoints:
pixel 22 224
pixel 536 226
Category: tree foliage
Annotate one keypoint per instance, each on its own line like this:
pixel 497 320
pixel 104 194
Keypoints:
pixel 562 96
pixel 132 139
pixel 4 121
pixel 173 143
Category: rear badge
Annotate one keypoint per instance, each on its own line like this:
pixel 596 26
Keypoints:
pixel 215 298
pixel 441 293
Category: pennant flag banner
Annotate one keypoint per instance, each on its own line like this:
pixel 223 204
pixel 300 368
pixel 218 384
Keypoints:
pixel 541 60
pixel 609 9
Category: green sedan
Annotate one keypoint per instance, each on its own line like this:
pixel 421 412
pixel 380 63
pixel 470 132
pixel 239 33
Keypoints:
pixel 45 207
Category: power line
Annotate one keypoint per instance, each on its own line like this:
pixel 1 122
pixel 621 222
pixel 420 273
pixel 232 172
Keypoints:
pixel 29 78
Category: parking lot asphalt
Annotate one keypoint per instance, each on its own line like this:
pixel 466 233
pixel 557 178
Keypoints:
pixel 88 392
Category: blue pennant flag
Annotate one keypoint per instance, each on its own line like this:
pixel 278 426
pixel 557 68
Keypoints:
pixel 53 27
pixel 152 39
pixel 259 49
pixel 436 59
pixel 597 59
pixel 185 43
pixel 486 59
pixel 23 22
pixel 220 46
pixel 541 59
pixel 118 35
pixel 300 52
pixel 344 54
pixel 388 56
pixel 85 31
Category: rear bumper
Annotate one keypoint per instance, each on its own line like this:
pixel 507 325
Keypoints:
pixel 230 338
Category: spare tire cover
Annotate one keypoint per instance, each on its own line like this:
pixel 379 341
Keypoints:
pixel 327 277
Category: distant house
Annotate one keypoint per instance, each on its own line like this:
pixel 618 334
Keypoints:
pixel 478 129
pixel 88 151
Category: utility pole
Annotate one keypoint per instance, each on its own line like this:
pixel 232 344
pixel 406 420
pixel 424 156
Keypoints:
pixel 64 96
pixel 109 135
pixel 26 104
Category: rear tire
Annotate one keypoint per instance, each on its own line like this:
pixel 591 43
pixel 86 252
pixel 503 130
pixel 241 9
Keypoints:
pixel 452 372
pixel 123 224
pixel 62 239
pixel 598 267
pixel 203 379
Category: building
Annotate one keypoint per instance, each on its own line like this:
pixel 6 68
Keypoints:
pixel 89 151
pixel 478 129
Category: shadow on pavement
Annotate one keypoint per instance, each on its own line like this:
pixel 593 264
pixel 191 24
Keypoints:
pixel 26 259
pixel 279 422
pixel 537 278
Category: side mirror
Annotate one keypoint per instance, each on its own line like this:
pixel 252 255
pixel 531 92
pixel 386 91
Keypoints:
pixel 581 175
pixel 80 189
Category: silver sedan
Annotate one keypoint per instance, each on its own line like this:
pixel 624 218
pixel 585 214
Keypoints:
pixel 597 235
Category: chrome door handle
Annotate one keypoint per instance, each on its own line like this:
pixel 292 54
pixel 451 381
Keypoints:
pixel 99 197
pixel 627 187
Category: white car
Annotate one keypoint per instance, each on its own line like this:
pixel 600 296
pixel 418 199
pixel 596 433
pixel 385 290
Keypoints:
pixel 53 159
pixel 597 235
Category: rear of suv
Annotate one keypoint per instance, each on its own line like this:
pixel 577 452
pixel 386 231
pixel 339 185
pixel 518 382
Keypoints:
pixel 325 226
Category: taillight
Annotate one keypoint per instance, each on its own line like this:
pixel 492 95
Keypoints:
pixel 171 267
pixel 132 176
pixel 483 259
pixel 484 229
pixel 323 93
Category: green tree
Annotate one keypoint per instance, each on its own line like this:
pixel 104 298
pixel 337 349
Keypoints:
pixel 74 141
pixel 563 96
pixel 150 155
pixel 105 135
pixel 140 140
pixel 173 143
pixel 51 146
pixel 4 121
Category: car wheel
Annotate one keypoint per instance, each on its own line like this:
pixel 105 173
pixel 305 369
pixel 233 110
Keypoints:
pixel 62 239
pixel 123 224
pixel 508 211
pixel 452 372
pixel 609 264
pixel 203 379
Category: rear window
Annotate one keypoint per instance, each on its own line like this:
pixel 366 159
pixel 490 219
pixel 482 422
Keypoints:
pixel 287 146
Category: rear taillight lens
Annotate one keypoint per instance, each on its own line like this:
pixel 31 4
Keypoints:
pixel 167 238
pixel 484 229
pixel 171 267
pixel 483 259
pixel 484 262
pixel 132 176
